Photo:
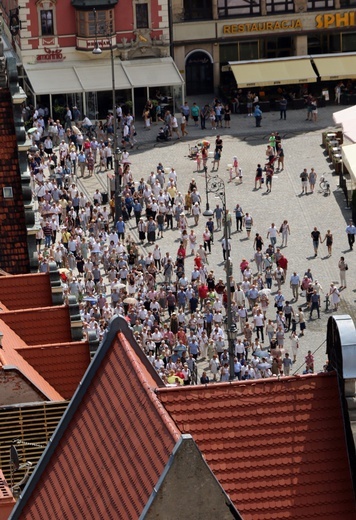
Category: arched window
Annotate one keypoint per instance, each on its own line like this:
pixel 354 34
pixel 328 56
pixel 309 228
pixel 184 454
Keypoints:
pixel 46 10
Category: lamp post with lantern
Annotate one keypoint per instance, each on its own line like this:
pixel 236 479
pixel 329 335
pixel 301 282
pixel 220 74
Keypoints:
pixel 116 149
pixel 217 186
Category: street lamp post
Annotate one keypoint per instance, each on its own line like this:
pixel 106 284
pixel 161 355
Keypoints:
pixel 216 185
pixel 116 150
pixel 207 212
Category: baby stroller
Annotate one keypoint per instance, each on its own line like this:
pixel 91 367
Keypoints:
pixel 163 134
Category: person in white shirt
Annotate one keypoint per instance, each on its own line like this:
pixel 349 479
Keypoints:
pixel 259 324
pixel 119 113
pixel 239 349
pixel 175 127
pixel 86 123
pixel 196 213
pixel 272 234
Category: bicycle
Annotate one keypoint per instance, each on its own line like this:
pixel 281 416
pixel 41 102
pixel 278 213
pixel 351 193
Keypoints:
pixel 324 185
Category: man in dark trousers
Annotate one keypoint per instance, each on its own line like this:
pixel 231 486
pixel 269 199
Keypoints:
pixel 315 304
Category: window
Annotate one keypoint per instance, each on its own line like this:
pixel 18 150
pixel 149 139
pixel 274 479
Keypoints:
pixel 46 16
pixel 279 6
pixel 347 3
pixel 228 8
pixel 324 43
pixel 197 10
pixel 317 5
pixel 329 43
pixel 278 47
pixel 241 51
pixel 86 26
pixel 348 42
pixel 248 51
pixel 228 52
pixel 142 16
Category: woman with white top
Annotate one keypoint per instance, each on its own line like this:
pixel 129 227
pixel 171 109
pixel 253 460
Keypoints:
pixel 285 231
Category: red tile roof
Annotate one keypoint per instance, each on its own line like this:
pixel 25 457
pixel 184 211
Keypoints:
pixel 25 291
pixel 40 326
pixel 10 357
pixel 110 447
pixel 276 446
pixel 62 365
pixel 7 500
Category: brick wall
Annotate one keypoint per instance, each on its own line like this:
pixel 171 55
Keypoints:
pixel 14 256
pixel 15 389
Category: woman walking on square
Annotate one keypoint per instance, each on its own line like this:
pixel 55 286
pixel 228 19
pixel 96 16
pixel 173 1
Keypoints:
pixel 329 241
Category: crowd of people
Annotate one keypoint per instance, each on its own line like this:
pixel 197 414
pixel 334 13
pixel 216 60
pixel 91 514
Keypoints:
pixel 176 315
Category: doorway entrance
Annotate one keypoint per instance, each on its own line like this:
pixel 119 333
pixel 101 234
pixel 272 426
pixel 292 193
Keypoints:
pixel 199 73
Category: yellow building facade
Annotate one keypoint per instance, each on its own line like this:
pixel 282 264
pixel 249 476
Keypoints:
pixel 208 34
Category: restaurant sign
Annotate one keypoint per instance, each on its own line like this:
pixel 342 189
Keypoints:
pixel 324 21
pixel 262 26
pixel 50 55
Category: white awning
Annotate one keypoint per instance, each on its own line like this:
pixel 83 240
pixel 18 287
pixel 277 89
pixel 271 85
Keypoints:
pixel 336 66
pixel 94 75
pixel 283 71
pixel 349 159
pixel 53 80
pixel 155 72
pixel 99 77
pixel 346 114
pixel 83 76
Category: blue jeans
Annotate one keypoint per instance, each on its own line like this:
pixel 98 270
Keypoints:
pixel 48 240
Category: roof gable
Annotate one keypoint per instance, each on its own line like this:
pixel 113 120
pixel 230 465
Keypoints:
pixel 188 475
pixel 10 359
pixel 113 441
pixel 276 444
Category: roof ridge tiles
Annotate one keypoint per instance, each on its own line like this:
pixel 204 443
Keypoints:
pixel 53 345
pixel 217 388
pixel 150 390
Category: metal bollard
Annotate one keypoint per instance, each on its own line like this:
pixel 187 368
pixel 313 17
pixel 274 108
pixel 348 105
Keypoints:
pixel 327 302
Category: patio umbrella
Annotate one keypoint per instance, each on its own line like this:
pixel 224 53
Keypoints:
pixel 261 353
pixel 349 129
pixel 130 300
pixel 90 299
pixel 64 270
pixel 119 286
pixel 266 291
pixel 75 130
pixel 174 379
pixel 346 114
pixel 264 365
